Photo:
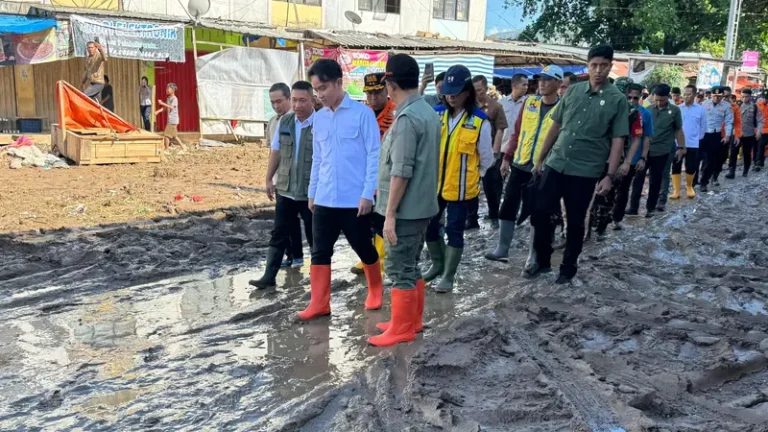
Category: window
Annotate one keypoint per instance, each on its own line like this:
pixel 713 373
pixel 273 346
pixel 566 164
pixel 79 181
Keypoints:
pixel 306 2
pixel 384 6
pixel 451 9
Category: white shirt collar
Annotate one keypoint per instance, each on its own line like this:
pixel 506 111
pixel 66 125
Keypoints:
pixel 308 122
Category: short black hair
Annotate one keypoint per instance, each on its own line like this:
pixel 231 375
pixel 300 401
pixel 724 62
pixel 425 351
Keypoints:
pixel 302 85
pixel 635 87
pixel 747 91
pixel 652 90
pixel 106 78
pixel 326 70
pixel 518 78
pixel 480 79
pixel 440 77
pixel 708 93
pixel 282 88
pixel 145 79
pixel 568 74
pixel 726 89
pixel 692 87
pixel 662 90
pixel 605 51
pixel 676 90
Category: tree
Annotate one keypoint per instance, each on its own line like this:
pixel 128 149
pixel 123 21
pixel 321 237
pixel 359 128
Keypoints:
pixel 666 74
pixel 659 26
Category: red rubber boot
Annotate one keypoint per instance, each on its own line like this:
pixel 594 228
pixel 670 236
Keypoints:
pixel 320 287
pixel 404 311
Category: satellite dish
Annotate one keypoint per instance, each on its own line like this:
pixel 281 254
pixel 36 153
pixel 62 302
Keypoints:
pixel 353 17
pixel 198 8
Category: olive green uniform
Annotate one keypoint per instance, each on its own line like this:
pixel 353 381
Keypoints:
pixel 410 149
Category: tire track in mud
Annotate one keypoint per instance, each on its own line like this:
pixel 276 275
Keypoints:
pixel 664 330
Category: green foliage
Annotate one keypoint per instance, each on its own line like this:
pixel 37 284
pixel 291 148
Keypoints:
pixel 660 26
pixel 666 74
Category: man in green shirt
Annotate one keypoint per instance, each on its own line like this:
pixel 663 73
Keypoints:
pixel 407 185
pixel 668 125
pixel 590 125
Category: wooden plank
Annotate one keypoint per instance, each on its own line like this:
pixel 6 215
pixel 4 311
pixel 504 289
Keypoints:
pixel 7 98
pixel 127 148
pixel 25 90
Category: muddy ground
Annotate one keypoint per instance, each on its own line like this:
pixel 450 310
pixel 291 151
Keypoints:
pixel 152 326
pixel 45 199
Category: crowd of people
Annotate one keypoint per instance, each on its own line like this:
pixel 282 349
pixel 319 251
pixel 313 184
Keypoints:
pixel 406 169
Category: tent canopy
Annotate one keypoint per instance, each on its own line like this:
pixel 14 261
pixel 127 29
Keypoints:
pixel 509 72
pixel 16 24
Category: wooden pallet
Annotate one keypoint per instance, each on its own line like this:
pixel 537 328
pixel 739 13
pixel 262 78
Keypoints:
pixel 100 146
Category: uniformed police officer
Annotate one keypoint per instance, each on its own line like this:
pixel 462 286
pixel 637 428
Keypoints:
pixel 719 120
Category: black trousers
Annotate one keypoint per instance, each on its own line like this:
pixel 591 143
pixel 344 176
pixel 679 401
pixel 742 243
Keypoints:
pixel 493 187
pixel 287 213
pixel 513 194
pixel 328 223
pixel 709 153
pixel 622 195
pixel 722 158
pixel 576 192
pixel 760 150
pixel 655 165
pixel 747 144
pixel 691 160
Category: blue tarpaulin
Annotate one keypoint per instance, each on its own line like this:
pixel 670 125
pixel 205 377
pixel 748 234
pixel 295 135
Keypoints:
pixel 509 72
pixel 17 24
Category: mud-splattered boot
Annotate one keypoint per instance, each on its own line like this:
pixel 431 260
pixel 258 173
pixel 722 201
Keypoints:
pixel 267 280
pixel 320 286
pixel 402 327
pixel 677 186
pixel 506 234
pixel 452 260
pixel 437 254
pixel 689 186
pixel 419 323
pixel 375 286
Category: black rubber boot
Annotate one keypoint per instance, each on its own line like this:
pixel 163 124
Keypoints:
pixel 731 174
pixel 274 255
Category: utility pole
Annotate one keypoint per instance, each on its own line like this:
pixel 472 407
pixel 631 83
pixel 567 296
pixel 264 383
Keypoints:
pixel 731 37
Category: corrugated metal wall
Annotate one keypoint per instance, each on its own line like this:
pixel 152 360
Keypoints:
pixel 7 94
pixel 185 78
pixel 124 75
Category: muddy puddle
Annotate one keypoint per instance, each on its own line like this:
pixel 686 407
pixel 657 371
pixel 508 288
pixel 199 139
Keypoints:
pixel 154 327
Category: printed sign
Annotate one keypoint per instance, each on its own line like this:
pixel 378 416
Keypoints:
pixel 710 74
pixel 29 48
pixel 355 64
pixel 64 48
pixel 130 39
pixel 749 61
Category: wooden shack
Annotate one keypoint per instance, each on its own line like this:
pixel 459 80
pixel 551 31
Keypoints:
pixel 89 134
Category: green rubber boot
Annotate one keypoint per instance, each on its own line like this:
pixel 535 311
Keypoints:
pixel 437 254
pixel 452 259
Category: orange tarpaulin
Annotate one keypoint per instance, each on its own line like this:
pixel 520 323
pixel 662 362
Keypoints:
pixel 76 111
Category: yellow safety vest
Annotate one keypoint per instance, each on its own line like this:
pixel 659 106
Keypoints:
pixel 459 175
pixel 533 131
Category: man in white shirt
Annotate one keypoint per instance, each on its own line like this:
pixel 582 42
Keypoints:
pixel 345 163
pixel 512 105
pixel 694 129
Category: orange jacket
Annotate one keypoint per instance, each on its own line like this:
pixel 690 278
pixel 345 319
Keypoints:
pixel 736 121
pixel 386 117
pixel 763 107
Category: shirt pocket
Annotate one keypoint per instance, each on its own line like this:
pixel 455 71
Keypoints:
pixel 466 145
pixel 321 137
pixel 348 139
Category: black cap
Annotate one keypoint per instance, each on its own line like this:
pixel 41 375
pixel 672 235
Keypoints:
pixel 717 91
pixel 727 89
pixel 373 82
pixel 402 66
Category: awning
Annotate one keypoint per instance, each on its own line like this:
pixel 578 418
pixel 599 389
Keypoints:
pixel 509 72
pixel 17 24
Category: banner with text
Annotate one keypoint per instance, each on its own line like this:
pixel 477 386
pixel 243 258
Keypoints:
pixel 710 74
pixel 355 64
pixel 130 39
pixel 749 61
